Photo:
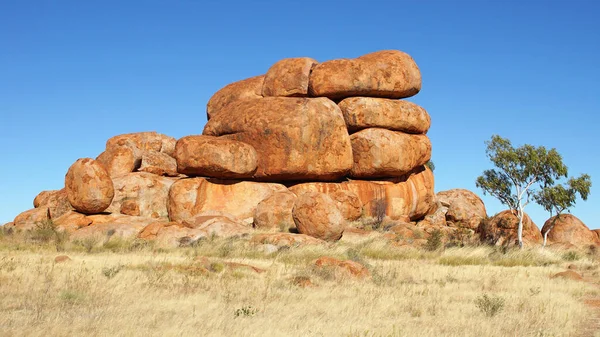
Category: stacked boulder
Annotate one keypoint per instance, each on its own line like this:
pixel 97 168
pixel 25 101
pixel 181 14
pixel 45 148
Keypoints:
pixel 308 147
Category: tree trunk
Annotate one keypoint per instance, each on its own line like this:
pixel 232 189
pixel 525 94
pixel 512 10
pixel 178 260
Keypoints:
pixel 520 228
pixel 545 238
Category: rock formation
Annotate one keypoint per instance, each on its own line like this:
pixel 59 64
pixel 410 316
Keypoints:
pixel 568 228
pixel 501 230
pixel 308 146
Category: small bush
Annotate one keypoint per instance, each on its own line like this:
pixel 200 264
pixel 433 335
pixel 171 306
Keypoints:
pixel 112 271
pixel 245 311
pixel 571 256
pixel 490 305
pixel 434 242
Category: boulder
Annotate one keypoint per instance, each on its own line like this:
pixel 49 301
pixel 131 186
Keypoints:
pixel 250 88
pixel 285 239
pixel 412 196
pixel 568 228
pixel 88 186
pixel 288 77
pixel 396 115
pixel 215 157
pixel 348 203
pixel 597 232
pixel 120 160
pixel 56 201
pixel 144 141
pixel 106 226
pixel 275 212
pixel 351 267
pixel 380 153
pixel 317 215
pixel 295 138
pixel 568 275
pixel 192 196
pixel 465 208
pixel 72 221
pixel 31 219
pixel 141 194
pixel 386 74
pixel 217 225
pixel 501 229
pixel 158 163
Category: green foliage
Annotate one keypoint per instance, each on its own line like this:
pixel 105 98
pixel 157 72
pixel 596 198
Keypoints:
pixel 245 311
pixel 571 256
pixel 112 271
pixel 561 197
pixel 434 242
pixel 489 305
pixel 430 165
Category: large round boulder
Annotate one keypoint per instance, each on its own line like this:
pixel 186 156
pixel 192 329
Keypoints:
pixel 465 208
pixel 119 160
pixel 387 74
pixel 250 88
pixel 396 115
pixel 288 77
pixel 381 153
pixel 89 187
pixel 215 157
pixel 317 215
pixel 567 228
pixel 275 212
pixel 501 230
pixel 295 138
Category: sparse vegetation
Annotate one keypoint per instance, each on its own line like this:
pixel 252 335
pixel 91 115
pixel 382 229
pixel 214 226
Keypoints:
pixel 490 305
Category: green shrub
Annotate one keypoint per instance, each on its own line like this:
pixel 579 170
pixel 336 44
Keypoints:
pixel 245 311
pixel 490 305
pixel 571 256
pixel 434 242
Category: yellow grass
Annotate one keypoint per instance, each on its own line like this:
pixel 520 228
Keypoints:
pixel 150 292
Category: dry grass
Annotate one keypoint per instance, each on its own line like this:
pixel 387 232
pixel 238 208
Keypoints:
pixel 126 290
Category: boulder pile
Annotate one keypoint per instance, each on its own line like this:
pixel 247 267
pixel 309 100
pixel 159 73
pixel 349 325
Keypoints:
pixel 309 148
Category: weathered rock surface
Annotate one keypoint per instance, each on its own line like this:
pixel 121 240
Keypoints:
pixel 286 239
pixel 295 138
pixel 317 215
pixel 158 163
pixel 88 186
pixel 106 226
pixel 568 228
pixel 56 201
pixel 351 267
pixel 396 115
pixel 465 208
pixel 412 197
pixel 192 196
pixel 31 219
pixel 217 225
pixel 120 160
pixel 275 212
pixel 72 221
pixel 569 275
pixel 288 77
pixel 387 74
pixel 144 141
pixel 381 153
pixel 502 230
pixel 215 157
pixel 597 232
pixel 250 88
pixel 141 194
pixel 348 203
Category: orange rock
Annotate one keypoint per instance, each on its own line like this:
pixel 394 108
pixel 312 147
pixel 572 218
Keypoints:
pixel 348 203
pixel 216 225
pixel 192 196
pixel 295 138
pixel 120 160
pixel 72 221
pixel 568 228
pixel 144 141
pixel 61 258
pixel 31 219
pixel 275 212
pixel 151 231
pixel 112 225
pixel 412 196
pixel 288 77
pixel 465 208
pixel 387 74
pixel 56 201
pixel 302 281
pixel 89 187
pixel 353 268
pixel 597 232
pixel 215 157
pixel 396 115
pixel 380 153
pixel 237 265
pixel 158 163
pixel 141 194
pixel 316 214
pixel 502 230
pixel 569 275
pixel 286 239
pixel 250 88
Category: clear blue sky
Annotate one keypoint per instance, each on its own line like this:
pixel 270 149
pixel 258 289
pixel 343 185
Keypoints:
pixel 74 73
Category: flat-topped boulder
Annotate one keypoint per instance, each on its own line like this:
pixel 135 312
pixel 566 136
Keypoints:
pixel 396 115
pixel 192 196
pixel 381 153
pixel 250 88
pixel 295 138
pixel 387 74
pixel 144 141
pixel 288 77
pixel 158 163
pixel 217 157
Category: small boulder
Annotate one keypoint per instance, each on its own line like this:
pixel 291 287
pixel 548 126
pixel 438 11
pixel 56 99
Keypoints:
pixel 348 203
pixel 61 259
pixel 158 163
pixel 275 212
pixel 568 275
pixel 216 225
pixel 89 187
pixel 465 208
pixel 285 239
pixel 288 77
pixel 317 215
pixel 120 160
pixel 56 201
pixel 144 141
pixel 31 219
pixel 351 267
pixel 250 88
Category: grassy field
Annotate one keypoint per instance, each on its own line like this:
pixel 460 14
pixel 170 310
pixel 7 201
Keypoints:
pixel 130 289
